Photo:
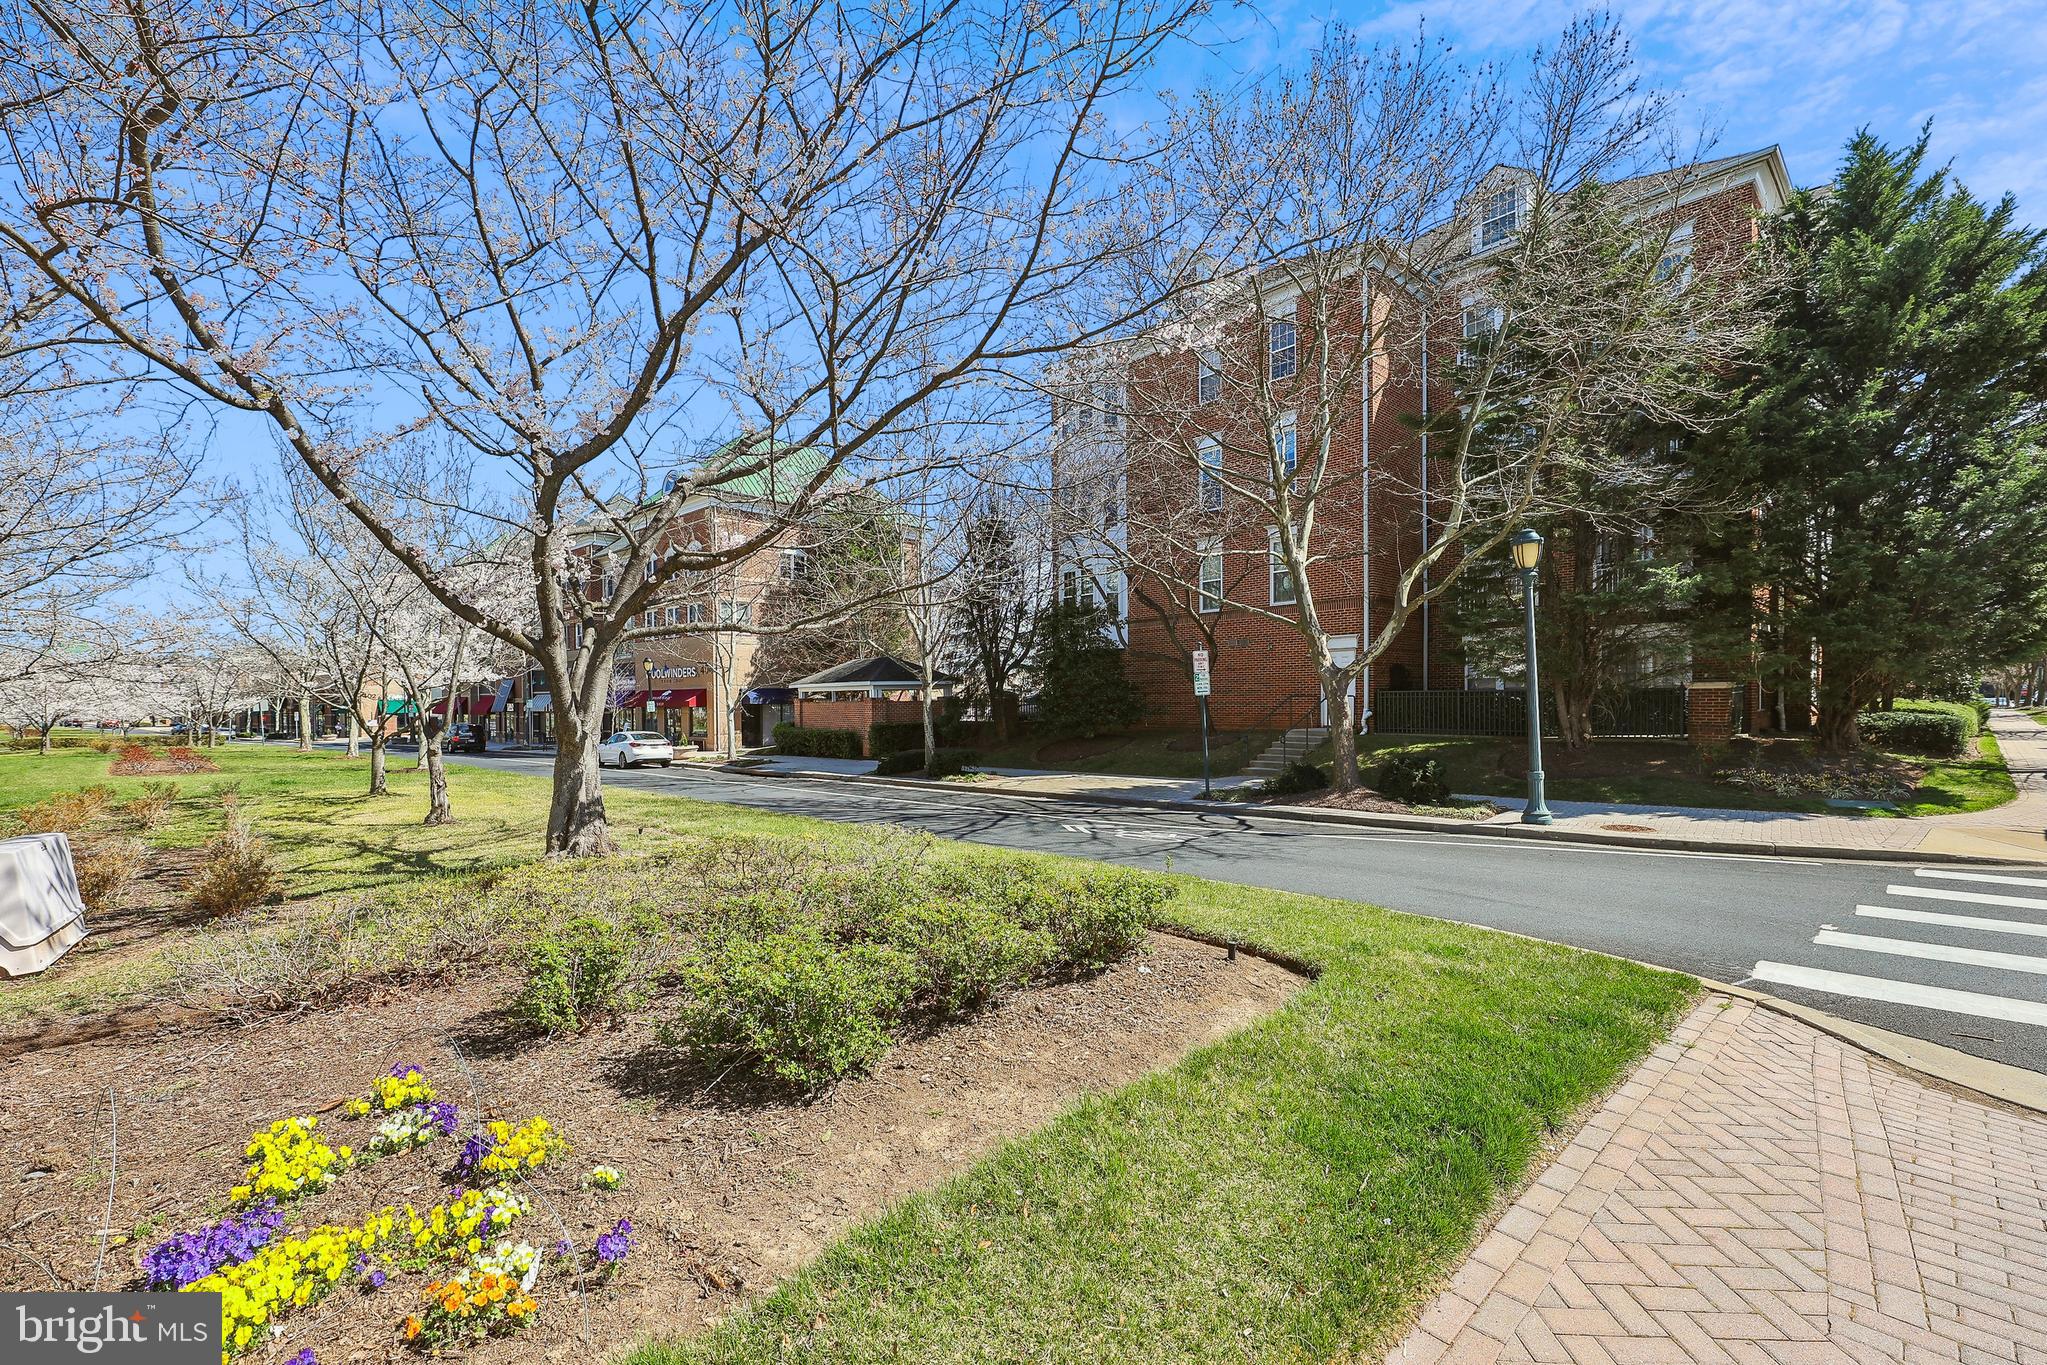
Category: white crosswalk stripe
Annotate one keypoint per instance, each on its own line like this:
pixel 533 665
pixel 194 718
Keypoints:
pixel 1955 956
pixel 1981 923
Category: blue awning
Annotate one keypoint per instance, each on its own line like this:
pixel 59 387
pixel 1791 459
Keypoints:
pixel 768 696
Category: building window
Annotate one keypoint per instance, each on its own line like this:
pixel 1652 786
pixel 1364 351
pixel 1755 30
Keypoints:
pixel 1674 268
pixel 675 616
pixel 1280 344
pixel 792 565
pixel 1112 596
pixel 1481 328
pixel 1209 479
pixel 696 613
pixel 1109 398
pixel 1500 219
pixel 1069 587
pixel 1283 446
pixel 608 587
pixel 1208 382
pixel 1211 596
pixel 1282 581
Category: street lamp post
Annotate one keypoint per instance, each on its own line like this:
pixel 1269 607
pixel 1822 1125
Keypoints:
pixel 1527 548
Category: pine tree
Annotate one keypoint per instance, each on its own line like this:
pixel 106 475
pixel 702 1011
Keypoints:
pixel 1892 431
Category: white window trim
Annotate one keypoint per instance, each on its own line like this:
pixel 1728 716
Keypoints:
pixel 1285 425
pixel 1272 352
pixel 1204 601
pixel 1208 456
pixel 1274 567
pixel 1207 366
pixel 1479 244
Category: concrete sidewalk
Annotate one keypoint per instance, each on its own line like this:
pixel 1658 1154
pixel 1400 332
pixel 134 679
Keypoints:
pixel 1760 1192
pixel 2015 832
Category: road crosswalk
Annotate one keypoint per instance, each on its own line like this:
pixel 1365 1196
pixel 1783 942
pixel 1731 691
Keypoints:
pixel 1946 940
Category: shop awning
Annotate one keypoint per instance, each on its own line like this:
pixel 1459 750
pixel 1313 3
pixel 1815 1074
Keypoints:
pixel 483 706
pixel 770 696
pixel 541 702
pixel 631 701
pixel 675 697
pixel 397 706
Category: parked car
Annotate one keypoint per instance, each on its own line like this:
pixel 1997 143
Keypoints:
pixel 466 739
pixel 631 748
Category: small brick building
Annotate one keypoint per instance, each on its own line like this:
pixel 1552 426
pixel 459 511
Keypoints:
pixel 882 690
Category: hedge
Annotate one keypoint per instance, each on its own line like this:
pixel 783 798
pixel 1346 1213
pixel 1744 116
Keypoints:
pixel 1940 733
pixel 816 741
pixel 944 762
pixel 1972 717
pixel 893 736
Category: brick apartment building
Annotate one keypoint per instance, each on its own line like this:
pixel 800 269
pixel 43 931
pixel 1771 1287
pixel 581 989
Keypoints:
pixel 1175 561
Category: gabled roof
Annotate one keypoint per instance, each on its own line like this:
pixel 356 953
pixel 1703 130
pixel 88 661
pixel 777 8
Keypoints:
pixel 879 670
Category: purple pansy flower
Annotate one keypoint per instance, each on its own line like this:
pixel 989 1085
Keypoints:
pixel 304 1357
pixel 441 1113
pixel 612 1246
pixel 179 1260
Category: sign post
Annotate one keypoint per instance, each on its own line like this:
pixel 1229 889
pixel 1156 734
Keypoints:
pixel 1201 688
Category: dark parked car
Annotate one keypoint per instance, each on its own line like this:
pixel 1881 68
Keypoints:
pixel 466 739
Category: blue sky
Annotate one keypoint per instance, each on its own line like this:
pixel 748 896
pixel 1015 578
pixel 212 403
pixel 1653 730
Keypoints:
pixel 1803 74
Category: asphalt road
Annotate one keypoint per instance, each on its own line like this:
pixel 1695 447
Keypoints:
pixel 1953 955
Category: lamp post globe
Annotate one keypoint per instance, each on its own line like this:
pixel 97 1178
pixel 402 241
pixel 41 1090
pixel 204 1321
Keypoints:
pixel 1526 547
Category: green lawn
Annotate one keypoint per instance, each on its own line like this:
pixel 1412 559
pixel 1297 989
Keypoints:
pixel 1147 753
pixel 1294 1191
pixel 1671 773
pixel 2039 717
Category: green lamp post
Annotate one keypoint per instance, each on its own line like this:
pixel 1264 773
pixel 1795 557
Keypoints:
pixel 1526 546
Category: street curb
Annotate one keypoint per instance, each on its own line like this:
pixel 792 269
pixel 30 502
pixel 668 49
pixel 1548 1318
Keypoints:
pixel 1422 824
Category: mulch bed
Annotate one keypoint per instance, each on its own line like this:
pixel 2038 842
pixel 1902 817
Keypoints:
pixel 729 1187
pixel 1365 799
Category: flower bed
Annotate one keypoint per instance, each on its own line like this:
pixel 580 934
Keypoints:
pixel 482 1282
pixel 145 760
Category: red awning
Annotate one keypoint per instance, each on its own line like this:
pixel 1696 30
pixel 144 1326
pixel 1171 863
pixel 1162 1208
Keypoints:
pixel 632 701
pixel 484 706
pixel 438 708
pixel 676 697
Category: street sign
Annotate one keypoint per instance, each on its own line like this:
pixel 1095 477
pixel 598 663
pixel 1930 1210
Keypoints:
pixel 1201 684
pixel 1201 661
pixel 1201 673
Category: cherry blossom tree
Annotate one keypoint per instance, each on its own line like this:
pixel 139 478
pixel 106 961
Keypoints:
pixel 556 236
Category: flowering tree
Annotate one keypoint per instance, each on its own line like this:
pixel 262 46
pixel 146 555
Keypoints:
pixel 354 221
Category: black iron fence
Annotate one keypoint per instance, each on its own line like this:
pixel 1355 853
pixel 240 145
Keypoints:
pixel 1639 712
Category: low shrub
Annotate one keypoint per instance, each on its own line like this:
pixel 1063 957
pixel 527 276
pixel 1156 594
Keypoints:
pixel 152 806
pixel 576 976
pixel 66 812
pixel 816 741
pixel 105 867
pixel 1942 734
pixel 1296 776
pixel 948 763
pixel 1093 915
pixel 964 956
pixel 889 736
pixel 1418 781
pixel 235 871
pixel 806 1009
pixel 901 761
pixel 944 762
pixel 1972 717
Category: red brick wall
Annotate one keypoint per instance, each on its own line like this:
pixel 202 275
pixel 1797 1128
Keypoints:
pixel 857 715
pixel 1709 708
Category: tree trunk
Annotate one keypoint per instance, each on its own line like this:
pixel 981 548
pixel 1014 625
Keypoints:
pixel 305 722
pixel 576 826
pixel 1339 696
pixel 46 744
pixel 439 812
pixel 1835 729
pixel 378 786
pixel 1574 712
pixel 354 738
pixel 930 723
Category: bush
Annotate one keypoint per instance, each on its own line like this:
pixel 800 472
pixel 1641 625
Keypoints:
pixel 1971 717
pixel 1085 691
pixel 66 812
pixel 152 806
pixel 1415 780
pixel 575 976
pixel 1941 734
pixel 816 741
pixel 948 762
pixel 892 736
pixel 1296 777
pixel 236 871
pixel 105 867
pixel 902 761
pixel 963 956
pixel 1093 915
pixel 808 1010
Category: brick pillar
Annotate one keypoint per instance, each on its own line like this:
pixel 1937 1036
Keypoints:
pixel 1709 712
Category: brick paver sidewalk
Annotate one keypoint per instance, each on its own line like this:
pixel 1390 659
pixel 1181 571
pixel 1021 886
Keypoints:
pixel 1759 1192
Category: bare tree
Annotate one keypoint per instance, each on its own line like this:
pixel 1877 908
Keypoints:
pixel 550 232
pixel 1396 212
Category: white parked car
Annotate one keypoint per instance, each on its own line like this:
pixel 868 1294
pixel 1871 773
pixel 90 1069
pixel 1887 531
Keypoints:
pixel 631 748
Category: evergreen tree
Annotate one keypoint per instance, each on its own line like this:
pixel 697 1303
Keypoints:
pixel 1892 431
pixel 1085 692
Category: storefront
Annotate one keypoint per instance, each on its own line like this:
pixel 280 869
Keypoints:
pixel 763 708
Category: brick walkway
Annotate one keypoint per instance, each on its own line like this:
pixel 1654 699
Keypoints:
pixel 1761 1193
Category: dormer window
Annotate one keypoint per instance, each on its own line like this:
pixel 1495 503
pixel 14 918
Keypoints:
pixel 1499 218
